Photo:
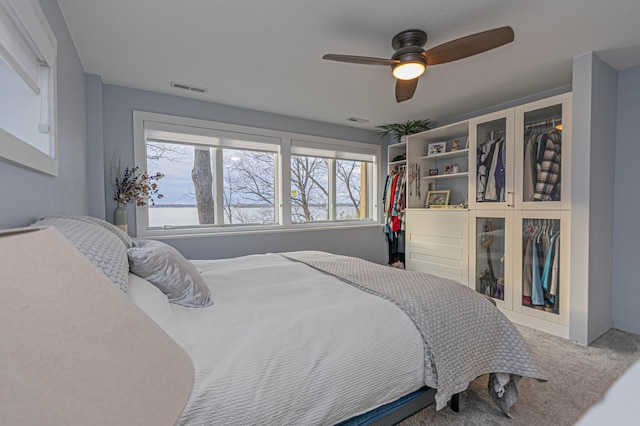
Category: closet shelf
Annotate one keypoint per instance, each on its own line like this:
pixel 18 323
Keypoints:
pixel 445 155
pixel 447 176
pixel 397 163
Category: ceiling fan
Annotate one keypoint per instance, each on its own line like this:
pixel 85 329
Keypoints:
pixel 410 59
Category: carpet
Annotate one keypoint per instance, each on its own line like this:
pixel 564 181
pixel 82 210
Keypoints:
pixel 578 376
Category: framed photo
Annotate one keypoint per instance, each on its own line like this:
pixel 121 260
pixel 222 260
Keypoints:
pixel 433 172
pixel 438 198
pixel 437 148
pixel 448 168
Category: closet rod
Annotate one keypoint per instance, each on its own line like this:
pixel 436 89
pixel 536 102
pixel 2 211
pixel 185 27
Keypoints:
pixel 549 122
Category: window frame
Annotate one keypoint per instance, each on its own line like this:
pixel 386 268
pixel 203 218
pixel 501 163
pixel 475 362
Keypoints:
pixel 30 49
pixel 142 120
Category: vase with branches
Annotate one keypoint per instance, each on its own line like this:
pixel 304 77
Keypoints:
pixel 130 184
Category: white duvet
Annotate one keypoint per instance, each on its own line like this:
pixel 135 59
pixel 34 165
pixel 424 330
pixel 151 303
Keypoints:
pixel 284 344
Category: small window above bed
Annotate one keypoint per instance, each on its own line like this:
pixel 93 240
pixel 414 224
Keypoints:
pixel 28 50
pixel 220 177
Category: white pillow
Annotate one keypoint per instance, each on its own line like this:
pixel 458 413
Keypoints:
pixel 167 269
pixel 151 300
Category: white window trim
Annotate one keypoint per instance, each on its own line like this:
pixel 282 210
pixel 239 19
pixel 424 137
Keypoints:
pixel 283 197
pixel 30 47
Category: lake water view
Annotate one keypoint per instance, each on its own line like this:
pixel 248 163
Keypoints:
pixel 188 215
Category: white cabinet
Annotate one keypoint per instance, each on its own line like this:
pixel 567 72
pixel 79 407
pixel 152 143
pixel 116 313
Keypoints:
pixel 520 189
pixel 437 242
pixel 508 180
pixel 491 171
pixel 491 260
pixel 544 249
pixel 521 157
pixel 543 154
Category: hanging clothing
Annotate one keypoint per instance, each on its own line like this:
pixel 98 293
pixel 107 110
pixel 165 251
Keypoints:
pixel 555 271
pixel 530 171
pixel 527 267
pixel 394 202
pixel 487 188
pixel 546 273
pixel 549 172
pixel 537 298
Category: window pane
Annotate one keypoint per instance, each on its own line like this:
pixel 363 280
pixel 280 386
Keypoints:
pixel 249 187
pixel 309 189
pixel 179 204
pixel 20 110
pixel 351 190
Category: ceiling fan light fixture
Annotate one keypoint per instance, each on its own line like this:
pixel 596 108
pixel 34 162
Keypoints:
pixel 408 70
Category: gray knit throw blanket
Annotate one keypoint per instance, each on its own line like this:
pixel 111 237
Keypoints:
pixel 465 335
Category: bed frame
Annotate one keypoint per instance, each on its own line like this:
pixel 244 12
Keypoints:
pixel 396 411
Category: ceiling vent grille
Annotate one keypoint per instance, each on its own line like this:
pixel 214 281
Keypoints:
pixel 357 120
pixel 189 87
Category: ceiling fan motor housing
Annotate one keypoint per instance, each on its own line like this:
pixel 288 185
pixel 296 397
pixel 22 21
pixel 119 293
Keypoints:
pixel 408 47
pixel 414 38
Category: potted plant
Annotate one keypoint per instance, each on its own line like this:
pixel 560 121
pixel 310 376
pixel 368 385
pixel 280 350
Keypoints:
pixel 401 130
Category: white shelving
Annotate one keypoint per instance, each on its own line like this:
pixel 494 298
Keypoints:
pixel 451 242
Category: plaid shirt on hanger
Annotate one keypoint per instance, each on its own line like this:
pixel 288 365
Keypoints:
pixel 549 173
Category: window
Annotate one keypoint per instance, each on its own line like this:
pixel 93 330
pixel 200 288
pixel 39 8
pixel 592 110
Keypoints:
pixel 189 187
pixel 28 87
pixel 222 177
pixel 309 189
pixel 330 182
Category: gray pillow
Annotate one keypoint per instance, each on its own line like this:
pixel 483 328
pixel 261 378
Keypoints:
pixel 123 236
pixel 167 269
pixel 102 247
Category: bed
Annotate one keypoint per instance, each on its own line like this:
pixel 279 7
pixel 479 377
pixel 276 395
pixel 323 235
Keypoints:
pixel 312 338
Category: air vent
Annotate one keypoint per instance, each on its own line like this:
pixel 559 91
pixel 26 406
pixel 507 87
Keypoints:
pixel 357 120
pixel 189 87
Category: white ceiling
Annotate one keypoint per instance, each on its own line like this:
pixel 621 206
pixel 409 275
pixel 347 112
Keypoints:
pixel 266 55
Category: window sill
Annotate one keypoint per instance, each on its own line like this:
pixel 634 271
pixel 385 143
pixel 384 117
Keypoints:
pixel 168 234
pixel 21 153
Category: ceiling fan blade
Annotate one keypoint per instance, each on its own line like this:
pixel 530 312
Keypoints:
pixel 366 60
pixel 468 46
pixel 405 89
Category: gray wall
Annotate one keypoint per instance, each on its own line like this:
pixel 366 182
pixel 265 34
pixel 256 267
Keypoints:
pixel 28 195
pixel 118 104
pixel 626 264
pixel 592 197
pixel 95 150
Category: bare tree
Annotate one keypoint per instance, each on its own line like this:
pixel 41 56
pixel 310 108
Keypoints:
pixel 168 151
pixel 347 172
pixel 307 175
pixel 203 184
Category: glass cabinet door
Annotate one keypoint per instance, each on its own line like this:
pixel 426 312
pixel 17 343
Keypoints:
pixel 541 264
pixel 491 171
pixel 490 269
pixel 543 154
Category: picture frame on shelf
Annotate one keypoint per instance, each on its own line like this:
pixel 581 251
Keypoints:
pixel 437 148
pixel 433 172
pixel 437 198
pixel 449 168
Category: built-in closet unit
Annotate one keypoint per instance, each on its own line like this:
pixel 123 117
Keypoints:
pixel 485 237
pixel 520 204
pixel 506 229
